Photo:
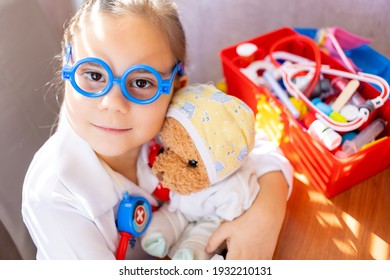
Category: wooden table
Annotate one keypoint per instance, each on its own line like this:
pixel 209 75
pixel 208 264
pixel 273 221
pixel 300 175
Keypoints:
pixel 352 225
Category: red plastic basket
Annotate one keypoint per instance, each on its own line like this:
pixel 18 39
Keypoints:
pixel 319 166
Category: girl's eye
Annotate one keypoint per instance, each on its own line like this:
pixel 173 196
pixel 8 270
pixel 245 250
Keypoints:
pixel 94 76
pixel 141 83
pixel 192 163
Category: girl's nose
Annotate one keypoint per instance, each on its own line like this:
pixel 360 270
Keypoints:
pixel 114 100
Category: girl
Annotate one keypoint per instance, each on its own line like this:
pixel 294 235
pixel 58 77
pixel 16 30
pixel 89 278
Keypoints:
pixel 122 62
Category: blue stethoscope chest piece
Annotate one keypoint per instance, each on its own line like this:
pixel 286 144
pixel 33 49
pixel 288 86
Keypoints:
pixel 134 215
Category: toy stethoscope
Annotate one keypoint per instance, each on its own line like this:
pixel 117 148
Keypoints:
pixel 133 218
pixel 288 72
pixel 135 212
pixel 134 215
pixel 295 65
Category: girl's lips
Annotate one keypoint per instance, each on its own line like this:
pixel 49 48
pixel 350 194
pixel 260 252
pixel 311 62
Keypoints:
pixel 112 130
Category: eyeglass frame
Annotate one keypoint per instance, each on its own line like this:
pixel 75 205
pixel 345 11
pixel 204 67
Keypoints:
pixel 164 86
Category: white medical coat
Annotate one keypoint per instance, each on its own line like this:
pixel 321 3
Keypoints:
pixel 70 201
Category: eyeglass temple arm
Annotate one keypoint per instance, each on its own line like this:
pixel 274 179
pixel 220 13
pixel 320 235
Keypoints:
pixel 166 84
pixel 66 69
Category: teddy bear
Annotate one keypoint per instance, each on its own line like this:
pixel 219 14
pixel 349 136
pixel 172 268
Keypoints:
pixel 207 136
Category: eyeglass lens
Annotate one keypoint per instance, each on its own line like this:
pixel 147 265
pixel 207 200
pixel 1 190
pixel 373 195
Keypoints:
pixel 94 78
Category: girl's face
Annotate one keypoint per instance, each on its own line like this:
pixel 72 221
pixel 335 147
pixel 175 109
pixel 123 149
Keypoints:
pixel 111 124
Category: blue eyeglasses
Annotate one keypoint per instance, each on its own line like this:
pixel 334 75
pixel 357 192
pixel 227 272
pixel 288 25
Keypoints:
pixel 141 84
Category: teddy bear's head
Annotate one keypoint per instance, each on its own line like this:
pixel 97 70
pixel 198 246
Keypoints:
pixel 207 135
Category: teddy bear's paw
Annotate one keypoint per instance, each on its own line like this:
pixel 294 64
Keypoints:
pixel 155 245
pixel 184 254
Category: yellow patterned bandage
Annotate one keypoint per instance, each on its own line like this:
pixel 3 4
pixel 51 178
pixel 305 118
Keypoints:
pixel 221 126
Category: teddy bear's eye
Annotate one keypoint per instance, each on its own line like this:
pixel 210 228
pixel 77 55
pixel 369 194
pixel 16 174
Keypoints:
pixel 192 163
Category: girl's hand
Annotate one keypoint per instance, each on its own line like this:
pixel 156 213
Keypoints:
pixel 254 234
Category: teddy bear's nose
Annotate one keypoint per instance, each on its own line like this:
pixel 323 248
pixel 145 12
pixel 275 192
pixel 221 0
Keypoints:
pixel 160 176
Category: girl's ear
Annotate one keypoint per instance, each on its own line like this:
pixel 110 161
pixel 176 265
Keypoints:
pixel 181 82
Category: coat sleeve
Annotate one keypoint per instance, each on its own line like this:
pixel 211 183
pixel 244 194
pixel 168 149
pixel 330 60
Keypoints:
pixel 268 157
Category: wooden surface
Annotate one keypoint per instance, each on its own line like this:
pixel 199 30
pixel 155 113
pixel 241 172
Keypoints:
pixel 352 225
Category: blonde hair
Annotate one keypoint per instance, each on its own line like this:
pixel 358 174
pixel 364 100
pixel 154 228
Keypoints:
pixel 162 14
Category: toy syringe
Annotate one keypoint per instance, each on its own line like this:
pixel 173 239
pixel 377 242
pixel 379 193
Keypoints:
pixel 368 134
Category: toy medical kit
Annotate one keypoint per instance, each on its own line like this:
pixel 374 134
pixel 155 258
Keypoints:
pixel 298 65
pixel 312 80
